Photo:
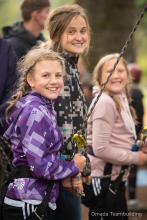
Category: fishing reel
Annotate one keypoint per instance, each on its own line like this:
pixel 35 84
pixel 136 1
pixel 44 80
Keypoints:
pixel 144 133
pixel 144 139
pixel 140 144
pixel 79 142
pixel 76 144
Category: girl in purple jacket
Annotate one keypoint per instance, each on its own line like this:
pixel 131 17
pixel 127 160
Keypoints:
pixel 35 138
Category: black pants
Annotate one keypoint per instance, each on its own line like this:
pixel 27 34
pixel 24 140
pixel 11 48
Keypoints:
pixel 132 182
pixel 110 206
pixel 18 213
pixel 68 206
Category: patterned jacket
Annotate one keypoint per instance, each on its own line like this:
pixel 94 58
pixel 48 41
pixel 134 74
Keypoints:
pixel 36 141
pixel 71 105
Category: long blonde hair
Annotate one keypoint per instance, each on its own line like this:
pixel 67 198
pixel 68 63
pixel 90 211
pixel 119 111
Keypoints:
pixel 97 76
pixel 60 18
pixel 25 67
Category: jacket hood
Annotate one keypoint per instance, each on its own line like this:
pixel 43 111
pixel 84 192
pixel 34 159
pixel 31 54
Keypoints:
pixel 18 31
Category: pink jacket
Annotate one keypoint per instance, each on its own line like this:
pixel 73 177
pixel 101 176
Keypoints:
pixel 111 135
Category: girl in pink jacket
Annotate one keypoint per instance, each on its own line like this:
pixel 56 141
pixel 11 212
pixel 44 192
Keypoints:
pixel 111 133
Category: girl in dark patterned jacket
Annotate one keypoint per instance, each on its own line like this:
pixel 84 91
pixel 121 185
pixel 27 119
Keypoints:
pixel 35 137
pixel 69 32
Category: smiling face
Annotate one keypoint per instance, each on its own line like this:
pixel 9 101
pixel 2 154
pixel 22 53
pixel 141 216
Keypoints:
pixel 119 78
pixel 47 78
pixel 75 38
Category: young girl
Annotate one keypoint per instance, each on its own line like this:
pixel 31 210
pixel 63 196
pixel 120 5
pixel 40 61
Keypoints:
pixel 68 29
pixel 35 137
pixel 111 133
pixel 69 33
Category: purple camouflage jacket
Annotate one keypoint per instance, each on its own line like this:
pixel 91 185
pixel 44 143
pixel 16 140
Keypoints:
pixel 36 141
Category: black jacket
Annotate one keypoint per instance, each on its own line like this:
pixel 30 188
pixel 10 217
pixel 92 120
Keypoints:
pixel 21 39
pixel 8 77
pixel 137 103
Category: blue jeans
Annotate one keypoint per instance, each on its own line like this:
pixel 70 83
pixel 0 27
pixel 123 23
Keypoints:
pixel 68 206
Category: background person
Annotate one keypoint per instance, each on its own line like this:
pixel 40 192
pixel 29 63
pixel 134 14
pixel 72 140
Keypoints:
pixel 27 33
pixel 137 103
pixel 8 78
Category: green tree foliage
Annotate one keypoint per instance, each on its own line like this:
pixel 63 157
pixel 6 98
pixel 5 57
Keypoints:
pixel 141 40
pixel 9 11
pixel 140 2
pixel 56 3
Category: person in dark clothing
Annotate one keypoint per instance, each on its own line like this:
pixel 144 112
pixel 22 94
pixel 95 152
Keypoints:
pixel 137 95
pixel 27 33
pixel 8 78
pixel 68 29
pixel 137 103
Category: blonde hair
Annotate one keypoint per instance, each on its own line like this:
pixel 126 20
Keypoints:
pixel 60 18
pixel 26 66
pixel 97 76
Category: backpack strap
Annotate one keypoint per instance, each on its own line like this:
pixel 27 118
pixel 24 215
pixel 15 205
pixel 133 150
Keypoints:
pixel 108 166
pixel 114 185
pixel 90 150
pixel 40 209
pixel 21 171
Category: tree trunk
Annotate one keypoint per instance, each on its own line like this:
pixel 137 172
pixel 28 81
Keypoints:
pixel 111 22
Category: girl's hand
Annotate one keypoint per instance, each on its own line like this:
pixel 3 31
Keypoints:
pixel 87 179
pixel 142 158
pixel 77 185
pixel 74 184
pixel 77 181
pixel 67 183
pixel 80 161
